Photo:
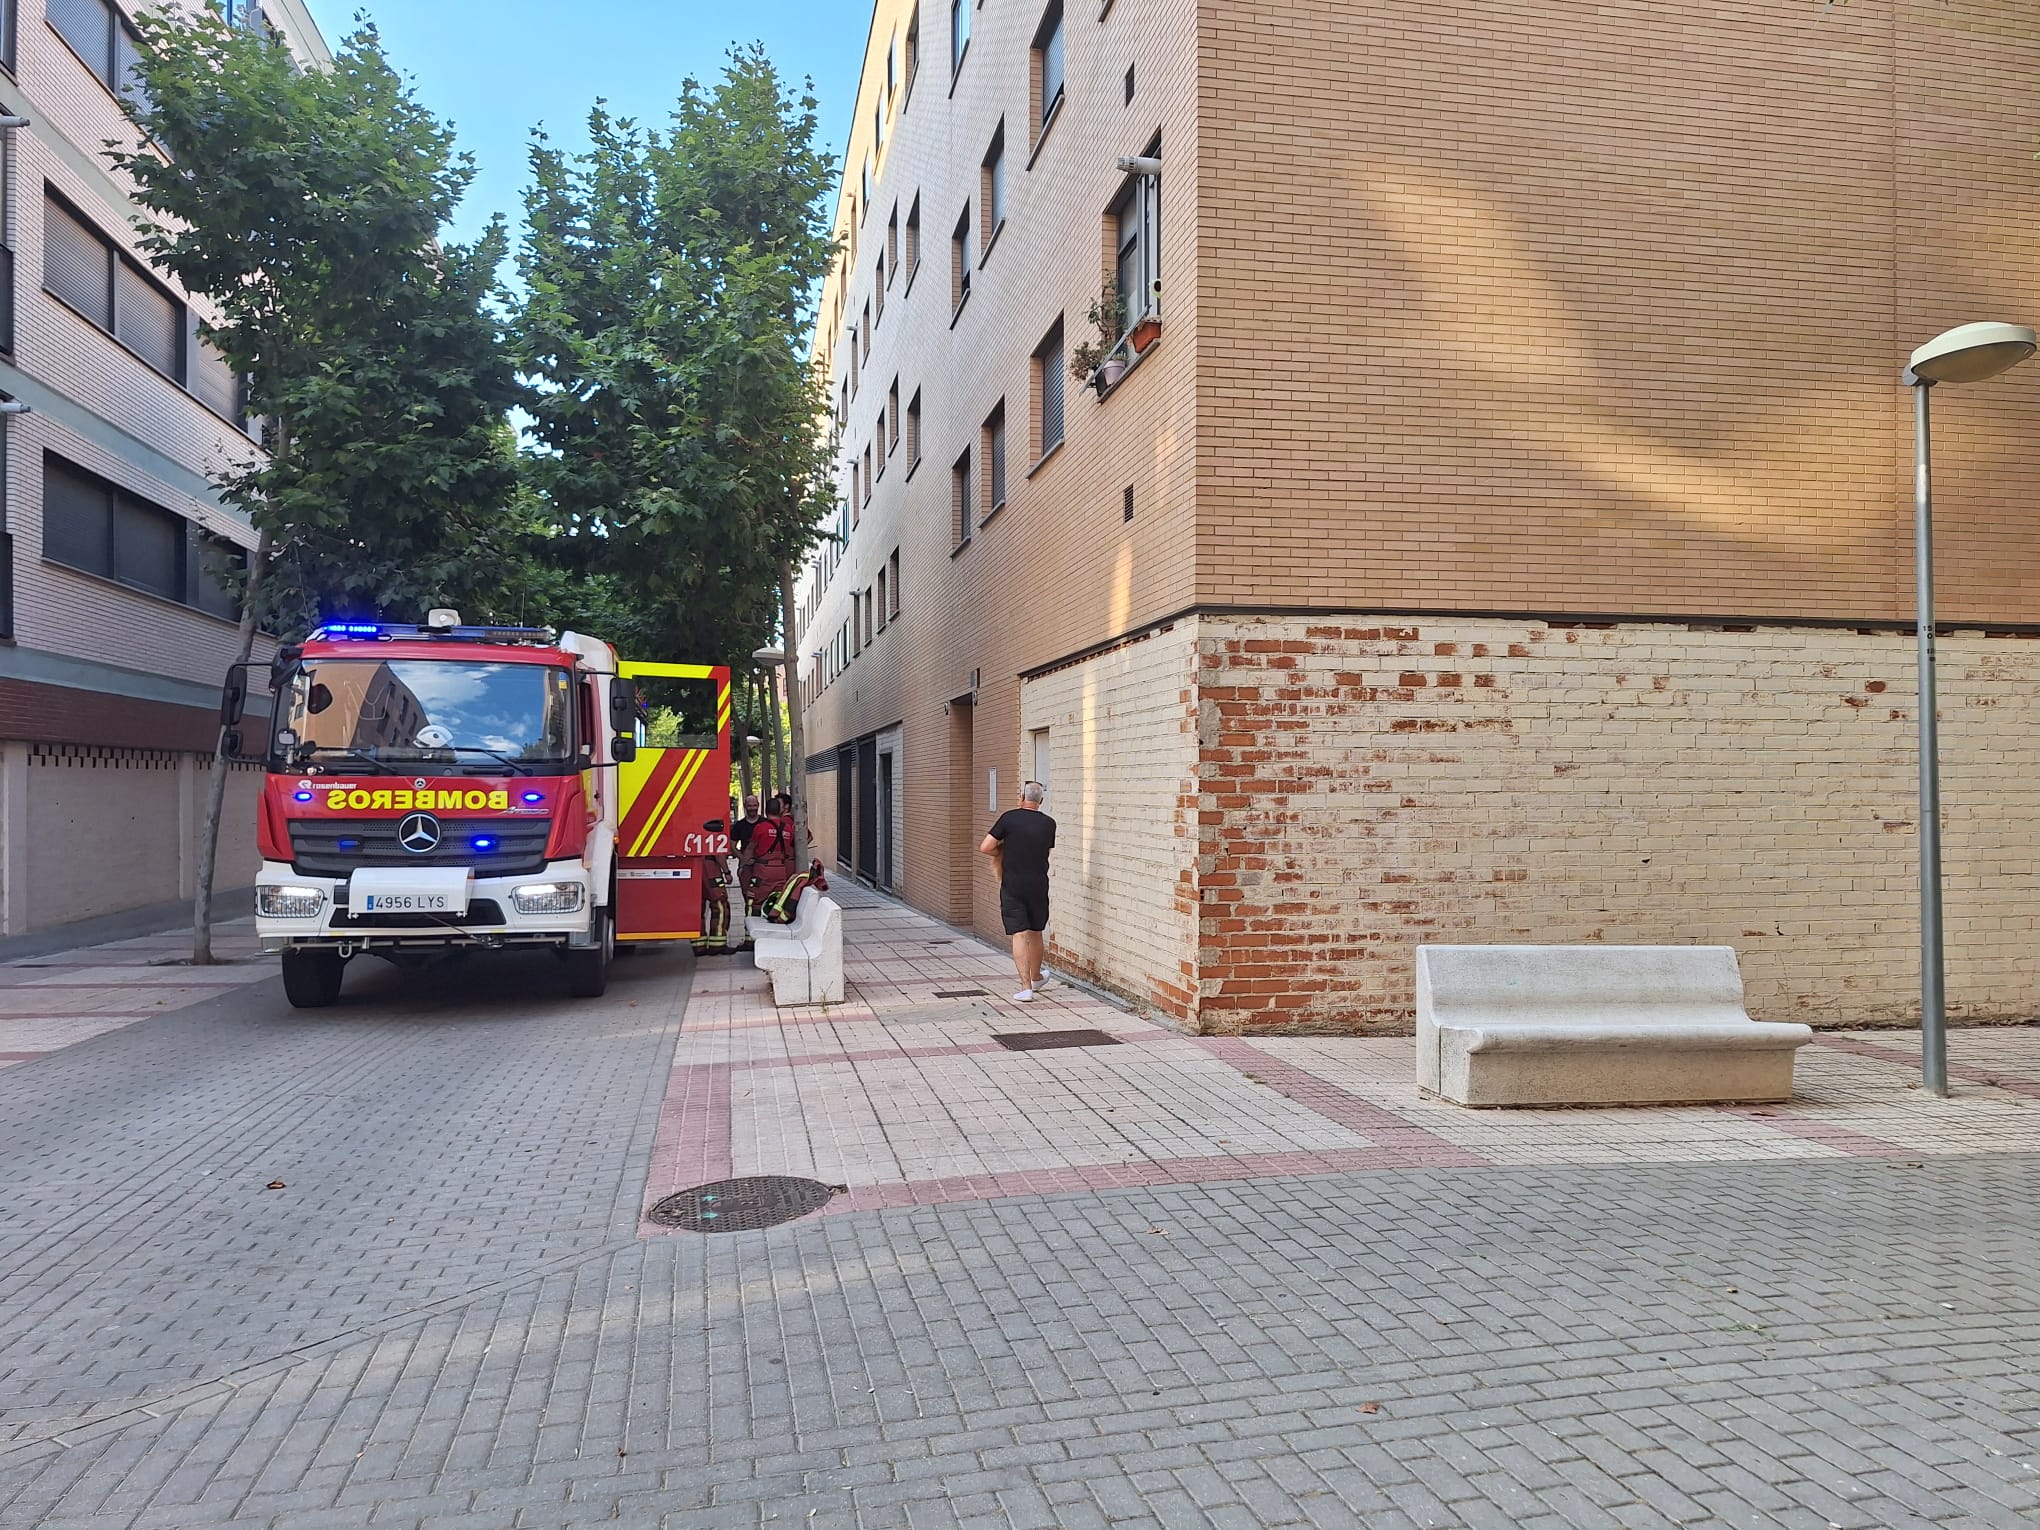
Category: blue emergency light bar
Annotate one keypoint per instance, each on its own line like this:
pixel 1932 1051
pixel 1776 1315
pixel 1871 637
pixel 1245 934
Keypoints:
pixel 368 632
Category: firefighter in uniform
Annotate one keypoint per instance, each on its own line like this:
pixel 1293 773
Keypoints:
pixel 768 855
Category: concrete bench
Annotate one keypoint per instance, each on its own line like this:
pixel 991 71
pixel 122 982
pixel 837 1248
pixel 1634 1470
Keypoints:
pixel 1594 1025
pixel 804 959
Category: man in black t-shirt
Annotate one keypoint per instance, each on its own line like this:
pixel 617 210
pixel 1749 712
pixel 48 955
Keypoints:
pixel 1018 845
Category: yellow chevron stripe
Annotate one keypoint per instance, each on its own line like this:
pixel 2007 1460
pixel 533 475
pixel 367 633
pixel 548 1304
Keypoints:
pixel 648 835
pixel 686 778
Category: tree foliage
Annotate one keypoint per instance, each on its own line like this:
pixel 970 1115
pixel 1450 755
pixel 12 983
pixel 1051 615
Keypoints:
pixel 668 275
pixel 305 205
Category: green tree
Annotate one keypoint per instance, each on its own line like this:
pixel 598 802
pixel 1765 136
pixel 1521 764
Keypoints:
pixel 305 205
pixel 668 277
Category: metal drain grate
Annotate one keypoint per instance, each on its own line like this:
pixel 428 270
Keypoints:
pixel 1048 1041
pixel 742 1205
pixel 959 993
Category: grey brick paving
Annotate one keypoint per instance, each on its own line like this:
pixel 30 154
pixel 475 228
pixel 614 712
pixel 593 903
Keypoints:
pixel 447 1321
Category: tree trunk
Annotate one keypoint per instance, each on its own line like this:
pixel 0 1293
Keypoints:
pixel 766 684
pixel 216 788
pixel 743 763
pixel 796 757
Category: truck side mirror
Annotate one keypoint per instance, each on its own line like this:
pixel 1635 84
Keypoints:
pixel 623 706
pixel 234 694
pixel 623 749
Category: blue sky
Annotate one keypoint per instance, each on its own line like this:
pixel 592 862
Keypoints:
pixel 497 67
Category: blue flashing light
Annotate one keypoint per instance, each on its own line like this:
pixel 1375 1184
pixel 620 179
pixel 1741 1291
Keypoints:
pixel 302 796
pixel 484 842
pixel 350 844
pixel 534 796
pixel 354 629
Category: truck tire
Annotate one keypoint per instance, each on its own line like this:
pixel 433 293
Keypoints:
pixel 311 979
pixel 588 966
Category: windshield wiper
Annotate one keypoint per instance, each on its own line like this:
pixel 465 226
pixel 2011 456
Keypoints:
pixel 333 751
pixel 496 754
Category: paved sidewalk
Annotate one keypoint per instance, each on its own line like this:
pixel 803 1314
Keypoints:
pixel 385 1266
pixel 54 1001
pixel 902 1095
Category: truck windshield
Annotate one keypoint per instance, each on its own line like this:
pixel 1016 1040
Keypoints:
pixel 427 711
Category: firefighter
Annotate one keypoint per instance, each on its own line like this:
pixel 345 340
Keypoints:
pixel 784 906
pixel 768 854
pixel 715 898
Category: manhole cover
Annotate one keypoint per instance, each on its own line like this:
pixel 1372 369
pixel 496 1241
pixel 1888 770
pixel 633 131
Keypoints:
pixel 1048 1041
pixel 959 993
pixel 742 1205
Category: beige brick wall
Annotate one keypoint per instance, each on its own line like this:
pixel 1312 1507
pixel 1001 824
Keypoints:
pixel 1601 308
pixel 1370 785
pixel 1122 743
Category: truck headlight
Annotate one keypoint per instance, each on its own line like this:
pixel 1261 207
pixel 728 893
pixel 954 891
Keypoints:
pixel 289 902
pixel 546 898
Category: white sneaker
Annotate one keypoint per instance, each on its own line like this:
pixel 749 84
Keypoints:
pixel 1024 996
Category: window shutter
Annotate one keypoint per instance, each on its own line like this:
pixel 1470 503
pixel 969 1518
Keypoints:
pixel 87 26
pixel 148 320
pixel 75 264
pixel 76 514
pixel 148 548
pixel 213 382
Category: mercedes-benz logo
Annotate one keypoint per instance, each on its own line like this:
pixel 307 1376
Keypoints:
pixel 419 833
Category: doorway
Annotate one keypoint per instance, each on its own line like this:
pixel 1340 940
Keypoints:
pixel 867 810
pixel 885 822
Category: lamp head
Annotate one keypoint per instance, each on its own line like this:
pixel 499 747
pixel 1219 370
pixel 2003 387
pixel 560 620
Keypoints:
pixel 1971 352
pixel 769 656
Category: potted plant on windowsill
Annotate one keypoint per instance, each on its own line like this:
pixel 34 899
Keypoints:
pixel 1102 362
pixel 1147 329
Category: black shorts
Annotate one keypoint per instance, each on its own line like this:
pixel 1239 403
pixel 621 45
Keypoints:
pixel 1023 907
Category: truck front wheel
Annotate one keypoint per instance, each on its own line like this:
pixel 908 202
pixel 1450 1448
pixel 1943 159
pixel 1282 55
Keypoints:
pixel 311 979
pixel 588 966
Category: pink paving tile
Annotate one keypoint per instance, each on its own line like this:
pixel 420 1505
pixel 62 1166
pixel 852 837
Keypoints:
pixel 692 1145
pixel 1826 1133
pixel 1337 1105
pixel 1974 1073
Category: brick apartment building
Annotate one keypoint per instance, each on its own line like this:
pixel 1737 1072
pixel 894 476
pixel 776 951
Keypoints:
pixel 1507 537
pixel 114 629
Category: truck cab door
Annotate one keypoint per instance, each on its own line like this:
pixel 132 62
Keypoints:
pixel 678 783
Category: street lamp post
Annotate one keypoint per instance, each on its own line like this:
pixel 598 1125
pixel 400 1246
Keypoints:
pixel 1967 353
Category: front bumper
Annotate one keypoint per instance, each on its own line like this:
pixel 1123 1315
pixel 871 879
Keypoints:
pixel 492 919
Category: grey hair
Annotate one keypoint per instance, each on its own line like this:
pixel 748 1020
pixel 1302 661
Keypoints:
pixel 1033 792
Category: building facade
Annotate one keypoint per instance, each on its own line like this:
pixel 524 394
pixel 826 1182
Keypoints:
pixel 115 624
pixel 1506 536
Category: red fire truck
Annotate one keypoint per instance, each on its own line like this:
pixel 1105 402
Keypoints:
pixel 440 787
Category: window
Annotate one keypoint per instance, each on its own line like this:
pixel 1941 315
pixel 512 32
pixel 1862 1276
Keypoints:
pixel 891 260
pixel 6 585
pixel 959 33
pixel 1048 65
pixel 1129 84
pixel 854 628
pixel 892 68
pixel 914 431
pixel 911 63
pixel 843 404
pixel 98 34
pixel 78 265
pixel 1048 392
pixel 867 472
pixel 913 241
pixel 878 292
pixel 864 349
pixel 878 117
pixel 893 566
pixel 865 183
pixel 959 496
pixel 881 600
pixel 1126 506
pixel 870 609
pixel 892 416
pixel 99 528
pixel 994 187
pixel 1136 221
pixel 10 25
pixel 84 269
pixel 992 446
pixel 960 261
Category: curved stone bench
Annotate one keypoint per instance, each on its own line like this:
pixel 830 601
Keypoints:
pixel 1595 1025
pixel 804 959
